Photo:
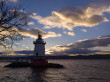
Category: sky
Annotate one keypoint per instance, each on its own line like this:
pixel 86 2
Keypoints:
pixel 69 27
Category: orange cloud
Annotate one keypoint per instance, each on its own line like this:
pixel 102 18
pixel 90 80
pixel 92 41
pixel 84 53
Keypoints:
pixel 71 34
pixel 13 1
pixel 34 32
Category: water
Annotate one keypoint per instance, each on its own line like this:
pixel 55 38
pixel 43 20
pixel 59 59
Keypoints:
pixel 74 71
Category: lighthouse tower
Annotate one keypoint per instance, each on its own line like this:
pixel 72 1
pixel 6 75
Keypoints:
pixel 40 59
pixel 39 49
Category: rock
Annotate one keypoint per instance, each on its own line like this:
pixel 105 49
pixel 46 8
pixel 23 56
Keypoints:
pixel 26 64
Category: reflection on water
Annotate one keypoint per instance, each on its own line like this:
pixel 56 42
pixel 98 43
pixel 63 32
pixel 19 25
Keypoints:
pixel 74 71
pixel 38 75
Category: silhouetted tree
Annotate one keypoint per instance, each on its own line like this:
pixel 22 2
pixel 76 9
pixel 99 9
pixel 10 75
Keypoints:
pixel 12 18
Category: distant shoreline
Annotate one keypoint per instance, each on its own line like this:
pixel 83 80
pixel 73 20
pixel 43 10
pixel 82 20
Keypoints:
pixel 60 57
pixel 80 57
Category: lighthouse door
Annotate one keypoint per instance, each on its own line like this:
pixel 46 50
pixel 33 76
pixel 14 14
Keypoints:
pixel 36 54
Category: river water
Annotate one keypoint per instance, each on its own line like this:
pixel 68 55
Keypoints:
pixel 74 71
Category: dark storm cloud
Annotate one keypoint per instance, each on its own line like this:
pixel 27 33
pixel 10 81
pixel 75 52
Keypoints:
pixel 82 47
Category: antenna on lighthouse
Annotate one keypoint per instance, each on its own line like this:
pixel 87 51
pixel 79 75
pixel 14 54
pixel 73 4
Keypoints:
pixel 39 36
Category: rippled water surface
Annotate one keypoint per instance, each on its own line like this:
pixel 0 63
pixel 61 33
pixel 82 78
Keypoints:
pixel 74 71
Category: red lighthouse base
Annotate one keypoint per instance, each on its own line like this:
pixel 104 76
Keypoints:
pixel 39 61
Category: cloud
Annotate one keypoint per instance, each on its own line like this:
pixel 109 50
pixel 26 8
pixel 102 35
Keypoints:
pixel 68 18
pixel 64 32
pixel 24 52
pixel 84 30
pixel 103 52
pixel 13 1
pixel 52 34
pixel 71 34
pixel 34 32
pixel 81 47
pixel 30 23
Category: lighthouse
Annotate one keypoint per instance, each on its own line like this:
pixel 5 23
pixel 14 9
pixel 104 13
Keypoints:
pixel 39 49
pixel 39 59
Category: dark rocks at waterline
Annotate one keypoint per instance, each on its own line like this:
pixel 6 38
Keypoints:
pixel 18 64
pixel 26 64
